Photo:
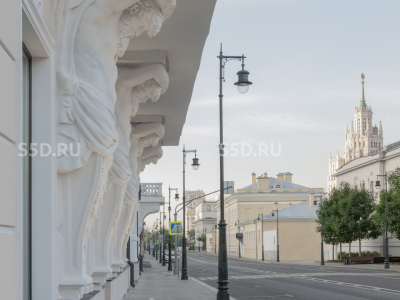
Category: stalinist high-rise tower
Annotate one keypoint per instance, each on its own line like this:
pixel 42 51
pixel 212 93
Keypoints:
pixel 362 139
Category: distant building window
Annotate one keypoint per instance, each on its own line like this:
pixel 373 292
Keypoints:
pixel 208 207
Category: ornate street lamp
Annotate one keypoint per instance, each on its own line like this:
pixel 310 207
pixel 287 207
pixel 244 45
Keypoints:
pixel 169 218
pixel 163 224
pixel 243 86
pixel 243 83
pixel 322 235
pixel 262 233
pixel 195 166
pixel 159 239
pixel 378 186
pixel 277 230
pixel 195 163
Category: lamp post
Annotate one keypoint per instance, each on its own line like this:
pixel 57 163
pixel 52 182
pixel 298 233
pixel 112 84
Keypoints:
pixel 157 242
pixel 159 238
pixel 163 260
pixel 195 166
pixel 322 235
pixel 154 239
pixel 262 233
pixel 277 231
pixel 205 234
pixel 243 86
pixel 169 220
pixel 215 238
pixel 378 186
pixel 238 237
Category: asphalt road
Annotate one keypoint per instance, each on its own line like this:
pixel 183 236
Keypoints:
pixel 253 280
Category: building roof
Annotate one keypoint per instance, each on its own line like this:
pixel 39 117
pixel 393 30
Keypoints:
pixel 273 181
pixel 301 211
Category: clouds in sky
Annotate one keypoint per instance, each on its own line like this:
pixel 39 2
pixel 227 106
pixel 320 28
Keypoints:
pixel 305 59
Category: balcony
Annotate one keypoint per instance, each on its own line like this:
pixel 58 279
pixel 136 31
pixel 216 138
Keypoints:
pixel 150 201
pixel 151 189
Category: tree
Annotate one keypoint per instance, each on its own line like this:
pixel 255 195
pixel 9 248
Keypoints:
pixel 191 234
pixel 357 207
pixel 335 229
pixel 202 238
pixel 393 198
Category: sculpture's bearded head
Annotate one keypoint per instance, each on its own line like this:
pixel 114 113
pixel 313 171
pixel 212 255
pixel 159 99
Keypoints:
pixel 146 15
pixel 149 89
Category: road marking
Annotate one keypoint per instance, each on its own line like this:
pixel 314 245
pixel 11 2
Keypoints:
pixel 394 276
pixel 256 285
pixel 359 286
pixel 208 286
pixel 297 275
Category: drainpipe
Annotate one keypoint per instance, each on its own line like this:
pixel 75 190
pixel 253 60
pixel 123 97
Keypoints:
pixel 128 254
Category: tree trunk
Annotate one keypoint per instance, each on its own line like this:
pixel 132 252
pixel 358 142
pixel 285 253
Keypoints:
pixel 359 248
pixel 349 249
pixel 340 251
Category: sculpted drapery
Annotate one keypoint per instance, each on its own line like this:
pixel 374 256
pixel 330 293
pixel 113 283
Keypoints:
pixel 86 69
pixel 90 35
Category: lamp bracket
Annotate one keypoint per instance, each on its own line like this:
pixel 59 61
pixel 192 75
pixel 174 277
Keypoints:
pixel 225 59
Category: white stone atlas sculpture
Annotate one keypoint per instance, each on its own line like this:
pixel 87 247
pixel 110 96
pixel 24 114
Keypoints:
pixel 149 155
pixel 154 132
pixel 134 86
pixel 89 35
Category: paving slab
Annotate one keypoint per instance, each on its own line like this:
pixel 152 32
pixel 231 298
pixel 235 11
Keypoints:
pixel 157 283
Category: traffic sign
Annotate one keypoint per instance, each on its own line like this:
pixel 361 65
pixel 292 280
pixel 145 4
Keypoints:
pixel 175 228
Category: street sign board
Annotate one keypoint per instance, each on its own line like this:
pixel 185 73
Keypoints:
pixel 152 246
pixel 175 228
pixel 156 241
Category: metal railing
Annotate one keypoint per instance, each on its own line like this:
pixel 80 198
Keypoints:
pixel 151 189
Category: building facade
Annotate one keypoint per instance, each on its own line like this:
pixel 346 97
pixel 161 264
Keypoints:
pixel 365 158
pixel 205 219
pixel 91 93
pixel 191 207
pixel 361 140
pixel 246 206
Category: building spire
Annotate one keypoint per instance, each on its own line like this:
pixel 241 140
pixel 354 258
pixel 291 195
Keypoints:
pixel 363 104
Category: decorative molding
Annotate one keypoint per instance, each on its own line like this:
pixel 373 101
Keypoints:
pixel 34 15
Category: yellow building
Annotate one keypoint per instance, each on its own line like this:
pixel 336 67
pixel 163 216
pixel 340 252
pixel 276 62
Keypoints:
pixel 296 205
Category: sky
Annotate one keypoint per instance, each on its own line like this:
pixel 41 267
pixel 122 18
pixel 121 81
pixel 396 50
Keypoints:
pixel 305 60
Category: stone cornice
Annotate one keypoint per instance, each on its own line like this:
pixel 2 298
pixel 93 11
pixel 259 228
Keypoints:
pixel 38 25
pixel 378 157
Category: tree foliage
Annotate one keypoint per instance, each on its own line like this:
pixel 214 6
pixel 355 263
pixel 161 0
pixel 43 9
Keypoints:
pixel 347 216
pixel 202 238
pixel 191 234
pixel 393 199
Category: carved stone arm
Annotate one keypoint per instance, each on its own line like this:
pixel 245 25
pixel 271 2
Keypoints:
pixel 147 129
pixel 129 77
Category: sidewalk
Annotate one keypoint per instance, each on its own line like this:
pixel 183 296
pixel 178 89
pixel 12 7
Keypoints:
pixel 157 283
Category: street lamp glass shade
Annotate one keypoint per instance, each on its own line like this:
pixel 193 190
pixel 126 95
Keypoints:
pixel 243 82
pixel 176 197
pixel 195 163
pixel 243 89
